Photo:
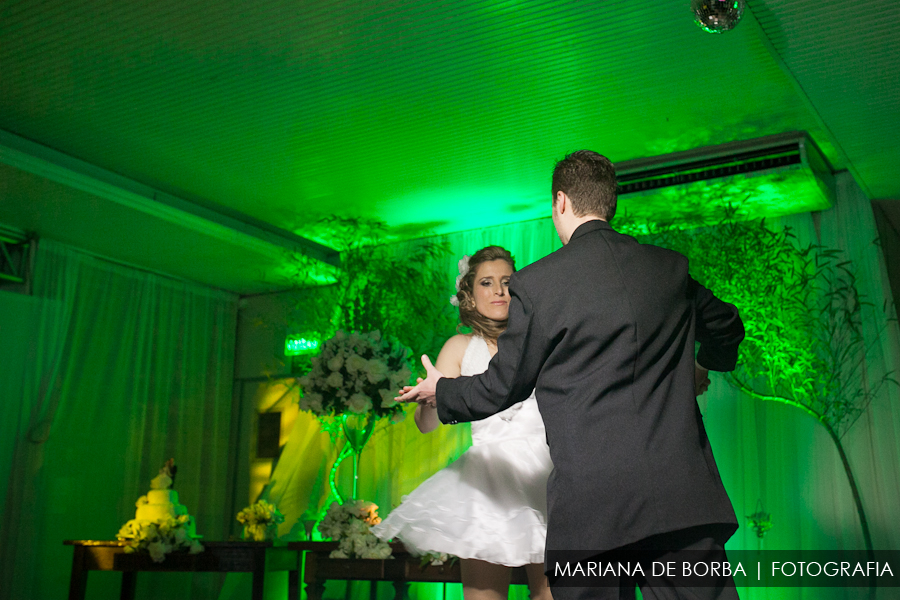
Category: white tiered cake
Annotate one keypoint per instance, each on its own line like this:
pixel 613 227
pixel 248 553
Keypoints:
pixel 159 505
pixel 160 522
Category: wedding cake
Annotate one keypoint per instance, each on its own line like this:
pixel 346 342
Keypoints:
pixel 159 505
pixel 160 523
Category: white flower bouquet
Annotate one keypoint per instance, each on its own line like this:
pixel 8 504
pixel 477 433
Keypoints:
pixel 349 524
pixel 436 559
pixel 260 520
pixel 159 538
pixel 357 373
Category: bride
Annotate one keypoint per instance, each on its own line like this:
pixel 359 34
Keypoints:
pixel 489 507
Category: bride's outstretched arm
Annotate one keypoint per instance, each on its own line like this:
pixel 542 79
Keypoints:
pixel 426 418
pixel 448 363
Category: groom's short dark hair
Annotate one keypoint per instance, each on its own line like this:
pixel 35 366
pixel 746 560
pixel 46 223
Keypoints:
pixel 589 180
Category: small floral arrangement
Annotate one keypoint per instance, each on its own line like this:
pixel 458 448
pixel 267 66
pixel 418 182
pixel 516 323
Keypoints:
pixel 357 373
pixel 437 559
pixel 159 538
pixel 260 520
pixel 760 522
pixel 349 524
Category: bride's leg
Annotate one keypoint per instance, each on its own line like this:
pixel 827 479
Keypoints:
pixel 483 580
pixel 538 586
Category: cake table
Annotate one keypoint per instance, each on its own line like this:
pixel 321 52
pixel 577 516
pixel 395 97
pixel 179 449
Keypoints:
pixel 401 570
pixel 258 558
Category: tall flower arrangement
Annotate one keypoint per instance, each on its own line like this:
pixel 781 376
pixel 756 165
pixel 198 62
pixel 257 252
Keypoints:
pixel 357 373
pixel 381 287
pixel 354 380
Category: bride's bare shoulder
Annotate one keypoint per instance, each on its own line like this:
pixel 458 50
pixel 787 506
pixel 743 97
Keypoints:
pixel 452 354
pixel 458 341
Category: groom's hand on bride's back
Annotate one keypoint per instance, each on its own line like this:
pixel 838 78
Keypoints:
pixel 425 391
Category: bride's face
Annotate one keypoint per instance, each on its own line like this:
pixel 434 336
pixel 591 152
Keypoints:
pixel 491 289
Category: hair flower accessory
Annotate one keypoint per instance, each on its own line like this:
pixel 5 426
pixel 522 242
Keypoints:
pixel 463 265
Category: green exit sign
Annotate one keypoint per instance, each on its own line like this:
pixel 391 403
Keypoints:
pixel 300 345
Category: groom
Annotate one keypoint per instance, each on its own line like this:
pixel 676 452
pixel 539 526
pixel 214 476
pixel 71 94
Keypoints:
pixel 605 330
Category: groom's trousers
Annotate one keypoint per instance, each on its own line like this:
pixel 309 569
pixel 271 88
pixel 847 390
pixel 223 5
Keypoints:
pixel 697 545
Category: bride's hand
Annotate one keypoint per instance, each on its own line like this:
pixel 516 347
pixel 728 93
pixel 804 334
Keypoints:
pixel 407 388
pixel 426 390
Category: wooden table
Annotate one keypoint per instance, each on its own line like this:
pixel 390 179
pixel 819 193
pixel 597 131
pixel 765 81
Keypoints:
pixel 402 569
pixel 258 558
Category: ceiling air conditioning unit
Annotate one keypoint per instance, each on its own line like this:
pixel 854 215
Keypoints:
pixel 766 177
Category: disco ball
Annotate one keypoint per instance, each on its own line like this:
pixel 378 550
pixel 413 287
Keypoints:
pixel 717 16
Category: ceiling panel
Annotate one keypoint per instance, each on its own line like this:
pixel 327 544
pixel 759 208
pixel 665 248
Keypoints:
pixel 40 207
pixel 846 58
pixel 433 116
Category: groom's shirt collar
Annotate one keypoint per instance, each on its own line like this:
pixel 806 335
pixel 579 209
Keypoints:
pixel 588 227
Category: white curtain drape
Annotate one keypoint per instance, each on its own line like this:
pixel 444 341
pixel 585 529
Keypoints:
pixel 122 370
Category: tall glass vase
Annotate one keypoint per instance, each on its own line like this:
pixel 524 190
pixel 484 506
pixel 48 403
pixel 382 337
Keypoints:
pixel 357 431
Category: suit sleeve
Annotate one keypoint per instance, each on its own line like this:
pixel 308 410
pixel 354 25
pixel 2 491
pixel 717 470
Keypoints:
pixel 511 376
pixel 719 330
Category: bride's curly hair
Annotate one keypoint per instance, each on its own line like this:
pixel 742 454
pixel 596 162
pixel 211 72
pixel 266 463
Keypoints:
pixel 469 316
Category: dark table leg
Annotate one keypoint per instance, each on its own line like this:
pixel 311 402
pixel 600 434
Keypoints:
pixel 314 587
pixel 315 590
pixel 129 585
pixel 259 574
pixel 401 590
pixel 78 580
pixel 294 584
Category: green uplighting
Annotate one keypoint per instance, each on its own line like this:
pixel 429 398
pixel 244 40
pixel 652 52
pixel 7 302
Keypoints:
pixel 300 346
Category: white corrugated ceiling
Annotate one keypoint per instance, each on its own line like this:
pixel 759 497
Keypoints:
pixel 433 115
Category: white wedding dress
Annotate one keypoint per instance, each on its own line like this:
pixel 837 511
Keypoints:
pixel 491 503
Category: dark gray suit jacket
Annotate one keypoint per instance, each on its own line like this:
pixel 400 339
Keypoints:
pixel 604 328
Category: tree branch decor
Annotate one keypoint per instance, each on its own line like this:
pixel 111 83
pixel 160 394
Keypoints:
pixel 803 314
pixel 397 289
